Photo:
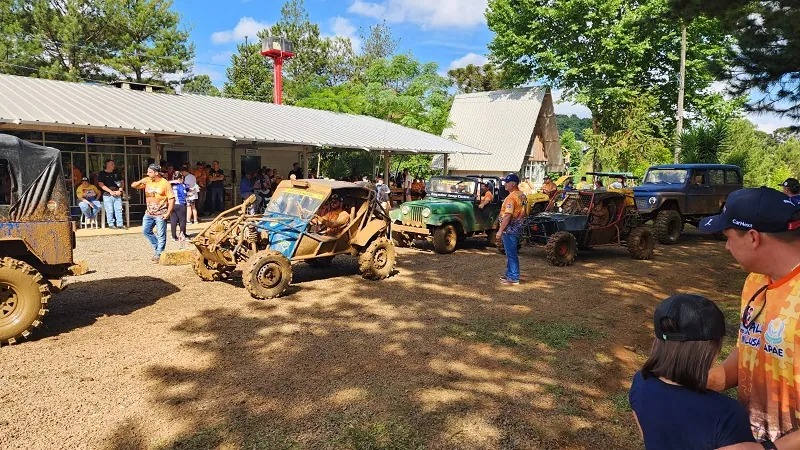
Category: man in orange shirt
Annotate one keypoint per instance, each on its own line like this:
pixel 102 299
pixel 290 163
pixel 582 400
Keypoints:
pixel 486 196
pixel 762 227
pixel 201 175
pixel 160 200
pixel 334 221
pixel 549 187
pixel 513 217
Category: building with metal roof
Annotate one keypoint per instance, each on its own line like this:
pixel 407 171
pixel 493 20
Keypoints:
pixel 135 125
pixel 516 126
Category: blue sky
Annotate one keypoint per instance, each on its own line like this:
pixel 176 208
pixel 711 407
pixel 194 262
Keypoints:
pixel 453 33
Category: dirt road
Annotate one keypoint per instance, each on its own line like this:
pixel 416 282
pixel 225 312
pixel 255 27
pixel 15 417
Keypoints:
pixel 140 356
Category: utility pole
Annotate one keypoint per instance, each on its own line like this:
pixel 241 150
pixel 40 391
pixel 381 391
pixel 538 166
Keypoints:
pixel 681 89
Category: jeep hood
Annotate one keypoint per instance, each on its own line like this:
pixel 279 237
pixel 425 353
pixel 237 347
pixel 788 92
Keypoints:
pixel 647 190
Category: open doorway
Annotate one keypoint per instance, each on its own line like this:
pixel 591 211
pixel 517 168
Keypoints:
pixel 177 157
pixel 250 164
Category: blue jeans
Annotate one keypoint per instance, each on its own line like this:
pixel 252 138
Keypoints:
pixel 510 245
pixel 89 212
pixel 217 199
pixel 113 207
pixel 159 239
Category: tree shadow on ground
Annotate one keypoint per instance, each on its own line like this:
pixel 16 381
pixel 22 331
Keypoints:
pixel 429 359
pixel 83 302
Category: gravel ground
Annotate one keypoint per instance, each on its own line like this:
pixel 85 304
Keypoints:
pixel 138 356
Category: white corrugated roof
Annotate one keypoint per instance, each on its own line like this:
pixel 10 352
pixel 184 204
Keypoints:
pixel 38 101
pixel 500 122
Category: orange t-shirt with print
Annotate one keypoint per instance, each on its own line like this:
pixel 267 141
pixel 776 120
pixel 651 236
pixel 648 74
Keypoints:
pixel 769 374
pixel 515 205
pixel 157 195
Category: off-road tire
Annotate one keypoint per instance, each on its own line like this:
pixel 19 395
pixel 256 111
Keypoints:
pixel 561 249
pixel 376 262
pixel 267 274
pixel 445 239
pixel 668 226
pixel 641 242
pixel 320 263
pixel 24 294
pixel 206 270
pixel 401 241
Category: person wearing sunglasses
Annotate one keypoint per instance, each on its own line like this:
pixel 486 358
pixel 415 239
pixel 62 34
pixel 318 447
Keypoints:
pixel 762 227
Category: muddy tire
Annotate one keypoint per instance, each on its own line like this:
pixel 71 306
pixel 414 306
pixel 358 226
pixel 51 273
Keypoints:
pixel 320 263
pixel 668 226
pixel 400 240
pixel 376 262
pixel 206 270
pixel 445 239
pixel 23 299
pixel 267 274
pixel 561 249
pixel 641 242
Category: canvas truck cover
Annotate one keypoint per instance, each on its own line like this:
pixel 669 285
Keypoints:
pixel 38 190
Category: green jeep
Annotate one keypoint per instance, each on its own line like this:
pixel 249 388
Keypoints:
pixel 448 214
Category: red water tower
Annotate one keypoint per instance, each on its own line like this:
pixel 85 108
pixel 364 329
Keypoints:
pixel 279 49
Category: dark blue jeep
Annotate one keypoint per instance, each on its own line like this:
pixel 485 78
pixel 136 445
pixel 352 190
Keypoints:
pixel 675 194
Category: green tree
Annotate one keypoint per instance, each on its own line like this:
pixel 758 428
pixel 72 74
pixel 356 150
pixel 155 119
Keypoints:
pixel 200 84
pixel 571 146
pixel 147 41
pixel 17 49
pixel 474 78
pixel 768 48
pixel 75 37
pixel 249 77
pixel 573 123
pixel 606 54
pixel 634 147
pixel 703 143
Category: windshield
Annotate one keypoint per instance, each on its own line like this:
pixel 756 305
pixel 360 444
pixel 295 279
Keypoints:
pixel 296 202
pixel 465 186
pixel 668 176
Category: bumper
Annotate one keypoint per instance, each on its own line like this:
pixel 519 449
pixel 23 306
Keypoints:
pixel 397 228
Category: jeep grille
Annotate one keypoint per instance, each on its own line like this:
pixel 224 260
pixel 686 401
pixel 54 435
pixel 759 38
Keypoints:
pixel 414 217
pixel 642 203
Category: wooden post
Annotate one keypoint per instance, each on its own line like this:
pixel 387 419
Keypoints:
pixel 387 157
pixel 445 164
pixel 305 162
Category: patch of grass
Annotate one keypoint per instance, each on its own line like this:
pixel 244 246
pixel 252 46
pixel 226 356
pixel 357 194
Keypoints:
pixel 555 389
pixel 525 333
pixel 381 435
pixel 620 402
pixel 202 440
pixel 270 441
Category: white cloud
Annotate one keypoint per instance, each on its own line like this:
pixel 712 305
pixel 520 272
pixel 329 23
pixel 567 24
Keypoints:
pixel 247 26
pixel 344 28
pixel 426 13
pixel 222 57
pixel 769 122
pixel 469 58
pixel 567 107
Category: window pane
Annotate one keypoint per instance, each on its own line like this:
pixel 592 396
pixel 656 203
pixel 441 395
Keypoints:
pixel 79 148
pixel 33 136
pixel 138 150
pixel 101 139
pixel 63 137
pixel 105 149
pixel 140 141
pixel 717 177
pixel 732 177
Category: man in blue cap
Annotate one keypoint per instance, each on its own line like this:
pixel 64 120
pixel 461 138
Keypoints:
pixel 791 187
pixel 762 227
pixel 511 222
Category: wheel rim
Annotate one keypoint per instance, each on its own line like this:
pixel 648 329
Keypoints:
pixel 451 235
pixel 562 249
pixel 381 258
pixel 269 275
pixel 9 301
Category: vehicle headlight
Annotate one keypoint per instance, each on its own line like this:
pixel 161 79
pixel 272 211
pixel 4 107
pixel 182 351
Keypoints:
pixel 404 210
pixel 652 201
pixel 426 212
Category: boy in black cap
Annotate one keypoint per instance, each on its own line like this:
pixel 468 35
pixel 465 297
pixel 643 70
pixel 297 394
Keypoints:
pixel 791 187
pixel 762 227
pixel 668 396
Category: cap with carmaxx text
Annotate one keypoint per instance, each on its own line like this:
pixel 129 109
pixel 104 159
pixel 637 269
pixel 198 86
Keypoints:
pixel 762 209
